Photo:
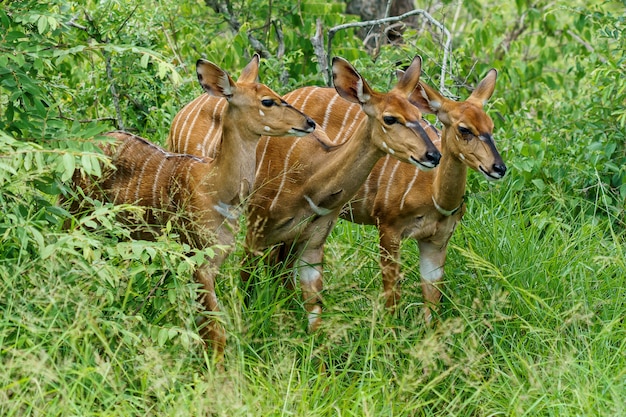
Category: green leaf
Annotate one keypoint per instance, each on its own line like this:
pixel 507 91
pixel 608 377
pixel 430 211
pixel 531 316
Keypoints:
pixel 86 163
pixel 69 165
pixel 539 184
pixel 163 337
pixel 42 24
pixel 7 168
pixel 47 251
pixel 145 58
pixel 53 23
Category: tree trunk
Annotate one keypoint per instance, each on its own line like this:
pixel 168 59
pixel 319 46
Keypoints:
pixel 377 35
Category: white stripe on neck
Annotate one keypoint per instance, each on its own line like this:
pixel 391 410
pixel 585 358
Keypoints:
pixel 443 211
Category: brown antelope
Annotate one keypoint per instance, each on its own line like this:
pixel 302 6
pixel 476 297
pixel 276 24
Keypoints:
pixel 202 193
pixel 302 183
pixel 403 202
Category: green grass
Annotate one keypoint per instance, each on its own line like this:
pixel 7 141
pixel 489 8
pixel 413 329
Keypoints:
pixel 532 323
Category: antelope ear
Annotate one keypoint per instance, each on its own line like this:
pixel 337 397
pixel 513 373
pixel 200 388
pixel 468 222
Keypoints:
pixel 483 91
pixel 214 80
pixel 250 74
pixel 349 84
pixel 409 80
pixel 427 99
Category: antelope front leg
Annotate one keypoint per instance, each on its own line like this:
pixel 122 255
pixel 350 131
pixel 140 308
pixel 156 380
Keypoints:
pixel 390 265
pixel 308 270
pixel 432 259
pixel 212 332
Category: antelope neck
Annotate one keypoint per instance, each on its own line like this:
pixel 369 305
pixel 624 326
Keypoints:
pixel 235 162
pixel 347 166
pixel 449 184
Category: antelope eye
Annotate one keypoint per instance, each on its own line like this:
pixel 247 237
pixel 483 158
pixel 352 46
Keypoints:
pixel 268 102
pixel 464 131
pixel 389 120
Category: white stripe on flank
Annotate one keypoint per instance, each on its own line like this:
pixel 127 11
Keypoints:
pixel 312 93
pixel 214 134
pixel 408 188
pixel 127 148
pixel 141 175
pixel 390 182
pixel 283 180
pixel 190 112
pixel 329 110
pixel 351 112
pixel 382 170
pixel 155 184
pixel 366 193
pixel 260 163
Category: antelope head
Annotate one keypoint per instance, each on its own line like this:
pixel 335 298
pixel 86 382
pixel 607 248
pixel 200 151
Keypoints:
pixel 396 129
pixel 263 112
pixel 468 132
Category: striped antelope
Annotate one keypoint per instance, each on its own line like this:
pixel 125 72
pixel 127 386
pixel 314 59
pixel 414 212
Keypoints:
pixel 203 192
pixel 302 183
pixel 404 202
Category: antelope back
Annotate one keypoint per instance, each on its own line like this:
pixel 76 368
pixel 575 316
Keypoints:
pixel 146 175
pixel 246 108
pixel 469 129
pixel 337 117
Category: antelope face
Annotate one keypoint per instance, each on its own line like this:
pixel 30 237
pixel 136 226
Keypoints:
pixel 268 114
pixel 470 139
pixel 259 109
pixel 402 136
pixel 468 132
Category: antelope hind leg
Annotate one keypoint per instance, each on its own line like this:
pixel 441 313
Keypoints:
pixel 308 270
pixel 432 260
pixel 390 265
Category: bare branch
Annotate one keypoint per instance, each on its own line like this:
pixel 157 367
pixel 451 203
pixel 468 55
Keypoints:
pixel 72 23
pixel 280 37
pixel 116 97
pixel 587 46
pixel 424 13
pixel 225 9
pixel 107 60
pixel 97 119
pixel 318 47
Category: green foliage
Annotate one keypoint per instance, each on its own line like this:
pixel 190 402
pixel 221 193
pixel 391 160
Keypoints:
pixel 92 322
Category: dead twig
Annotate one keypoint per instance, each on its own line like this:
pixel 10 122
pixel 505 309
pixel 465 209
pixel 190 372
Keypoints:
pixel 332 31
pixel 318 47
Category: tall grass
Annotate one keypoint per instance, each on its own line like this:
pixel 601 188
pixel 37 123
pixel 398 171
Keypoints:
pixel 532 323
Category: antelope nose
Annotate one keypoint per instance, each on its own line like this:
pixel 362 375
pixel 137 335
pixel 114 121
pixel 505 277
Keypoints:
pixel 499 169
pixel 434 157
pixel 310 123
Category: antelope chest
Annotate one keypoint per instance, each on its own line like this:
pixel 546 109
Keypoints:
pixel 432 227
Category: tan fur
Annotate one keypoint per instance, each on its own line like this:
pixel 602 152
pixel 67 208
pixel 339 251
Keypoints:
pixel 398 199
pixel 205 193
pixel 302 183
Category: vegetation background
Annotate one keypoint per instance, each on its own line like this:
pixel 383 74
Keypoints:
pixel 532 322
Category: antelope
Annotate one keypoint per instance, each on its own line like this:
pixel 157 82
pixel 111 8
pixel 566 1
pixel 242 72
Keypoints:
pixel 302 183
pixel 403 202
pixel 202 193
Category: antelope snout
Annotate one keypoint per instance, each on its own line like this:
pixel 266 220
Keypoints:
pixel 499 169
pixel 429 161
pixel 433 157
pixel 309 126
pixel 497 172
